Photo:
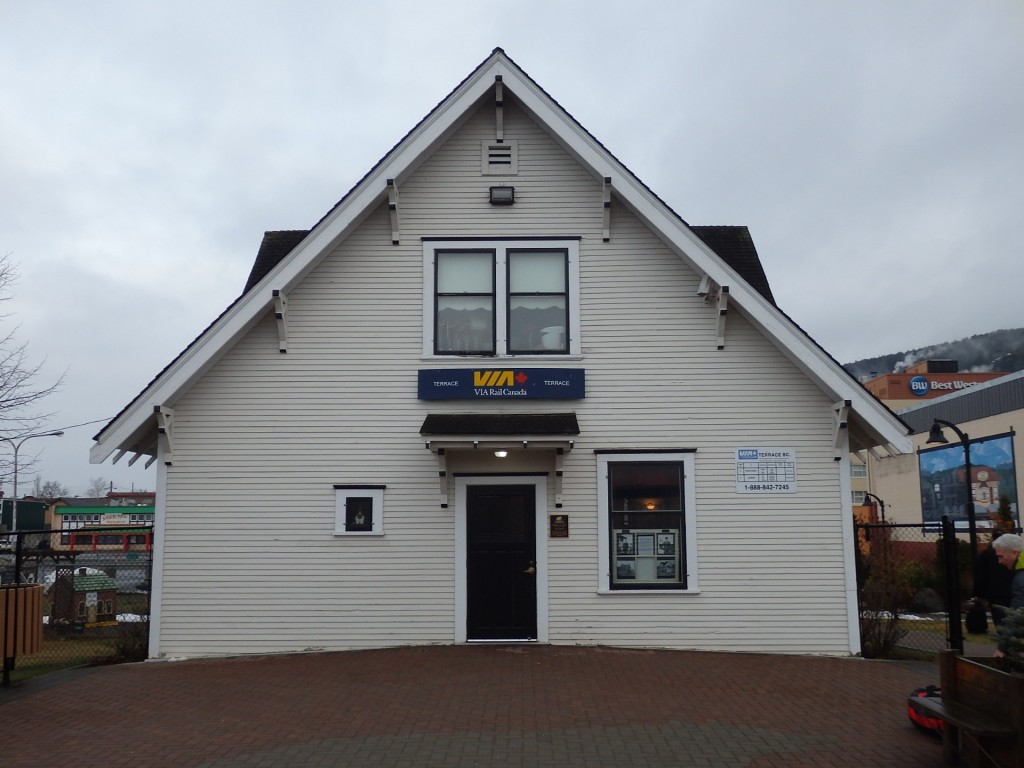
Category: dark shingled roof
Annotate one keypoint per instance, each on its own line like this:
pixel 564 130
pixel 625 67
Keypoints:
pixel 500 424
pixel 275 246
pixel 733 244
pixel 736 247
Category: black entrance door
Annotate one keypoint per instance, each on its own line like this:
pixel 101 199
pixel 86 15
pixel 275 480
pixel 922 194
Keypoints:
pixel 501 563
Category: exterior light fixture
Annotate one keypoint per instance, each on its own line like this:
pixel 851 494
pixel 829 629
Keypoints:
pixel 501 453
pixel 503 195
pixel 868 497
pixel 650 505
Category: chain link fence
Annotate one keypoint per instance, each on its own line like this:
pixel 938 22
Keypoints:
pixel 95 596
pixel 913 584
pixel 903 589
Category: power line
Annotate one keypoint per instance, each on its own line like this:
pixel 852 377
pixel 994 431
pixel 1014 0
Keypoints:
pixel 86 423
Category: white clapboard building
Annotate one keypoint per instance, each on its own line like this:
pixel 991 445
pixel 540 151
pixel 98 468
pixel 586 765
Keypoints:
pixel 502 392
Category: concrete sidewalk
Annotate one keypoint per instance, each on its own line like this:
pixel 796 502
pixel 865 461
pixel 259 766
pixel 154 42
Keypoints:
pixel 473 706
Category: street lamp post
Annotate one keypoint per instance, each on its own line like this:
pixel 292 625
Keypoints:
pixel 17 443
pixel 936 436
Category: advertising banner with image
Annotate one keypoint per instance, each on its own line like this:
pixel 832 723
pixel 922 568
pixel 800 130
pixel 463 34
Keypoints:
pixel 993 478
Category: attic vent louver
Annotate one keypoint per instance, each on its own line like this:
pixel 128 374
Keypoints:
pixel 499 158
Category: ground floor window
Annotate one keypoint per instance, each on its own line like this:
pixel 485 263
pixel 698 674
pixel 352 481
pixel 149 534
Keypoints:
pixel 359 510
pixel 647 512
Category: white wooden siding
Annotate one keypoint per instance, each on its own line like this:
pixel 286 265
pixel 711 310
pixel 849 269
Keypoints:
pixel 251 563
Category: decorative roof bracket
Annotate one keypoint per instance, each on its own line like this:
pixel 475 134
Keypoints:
pixel 723 308
pixel 606 215
pixel 393 208
pixel 165 433
pixel 499 117
pixel 281 315
pixel 840 424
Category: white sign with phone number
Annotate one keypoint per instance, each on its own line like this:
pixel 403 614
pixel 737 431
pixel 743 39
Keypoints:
pixel 765 470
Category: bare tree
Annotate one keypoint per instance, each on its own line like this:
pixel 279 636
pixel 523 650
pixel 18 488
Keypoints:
pixel 21 394
pixel 98 487
pixel 52 489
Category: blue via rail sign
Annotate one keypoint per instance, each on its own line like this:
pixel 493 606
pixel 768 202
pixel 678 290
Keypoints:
pixel 502 384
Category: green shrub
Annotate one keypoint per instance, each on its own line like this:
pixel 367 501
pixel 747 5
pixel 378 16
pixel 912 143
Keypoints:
pixel 131 642
pixel 1011 638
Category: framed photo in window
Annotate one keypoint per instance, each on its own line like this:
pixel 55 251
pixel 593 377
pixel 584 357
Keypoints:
pixel 666 544
pixel 625 569
pixel 625 544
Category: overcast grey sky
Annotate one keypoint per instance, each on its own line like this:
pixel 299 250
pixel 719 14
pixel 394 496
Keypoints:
pixel 874 148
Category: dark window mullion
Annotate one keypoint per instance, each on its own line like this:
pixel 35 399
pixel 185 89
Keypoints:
pixel 645 522
pixel 510 294
pixel 438 295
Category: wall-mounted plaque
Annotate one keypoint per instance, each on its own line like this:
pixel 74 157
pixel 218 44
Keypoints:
pixel 559 526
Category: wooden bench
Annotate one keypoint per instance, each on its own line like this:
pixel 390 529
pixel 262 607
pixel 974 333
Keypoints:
pixel 982 708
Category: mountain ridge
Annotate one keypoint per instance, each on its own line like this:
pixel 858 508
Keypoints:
pixel 1001 350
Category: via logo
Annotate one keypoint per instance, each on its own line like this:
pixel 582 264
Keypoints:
pixel 748 454
pixel 919 385
pixel 493 378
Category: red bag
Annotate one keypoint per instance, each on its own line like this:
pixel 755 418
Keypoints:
pixel 922 719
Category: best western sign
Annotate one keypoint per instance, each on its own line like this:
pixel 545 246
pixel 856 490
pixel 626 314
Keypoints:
pixel 921 386
pixel 502 383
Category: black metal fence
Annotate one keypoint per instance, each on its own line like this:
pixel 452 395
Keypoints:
pixel 914 583
pixel 95 596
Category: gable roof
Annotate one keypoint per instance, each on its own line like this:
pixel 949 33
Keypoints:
pixel 287 257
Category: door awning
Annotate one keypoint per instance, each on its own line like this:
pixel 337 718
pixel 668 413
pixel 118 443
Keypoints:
pixel 520 431
pixel 523 425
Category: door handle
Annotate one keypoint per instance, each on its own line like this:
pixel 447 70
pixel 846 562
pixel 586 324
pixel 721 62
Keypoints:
pixel 530 569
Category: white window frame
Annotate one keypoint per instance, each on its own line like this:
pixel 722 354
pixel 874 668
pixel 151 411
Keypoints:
pixel 342 493
pixel 858 470
pixel 688 460
pixel 858 498
pixel 501 249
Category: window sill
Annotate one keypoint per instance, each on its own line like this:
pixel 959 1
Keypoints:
pixel 488 358
pixel 620 592
pixel 356 534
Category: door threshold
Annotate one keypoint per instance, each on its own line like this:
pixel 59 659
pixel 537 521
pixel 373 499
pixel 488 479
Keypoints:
pixel 502 640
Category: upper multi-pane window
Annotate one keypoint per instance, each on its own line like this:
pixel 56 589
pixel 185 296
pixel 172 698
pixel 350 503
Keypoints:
pixel 501 298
